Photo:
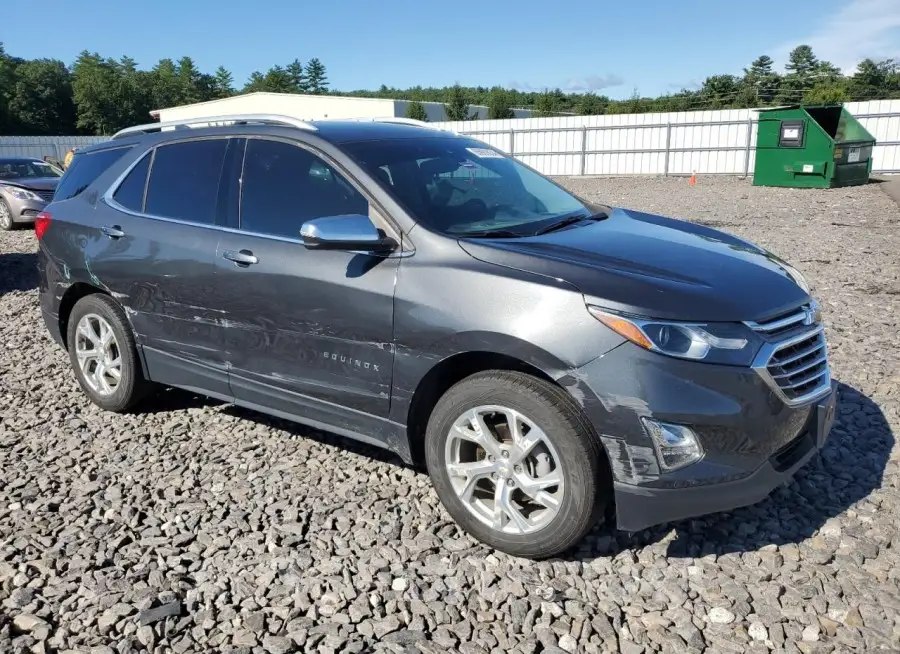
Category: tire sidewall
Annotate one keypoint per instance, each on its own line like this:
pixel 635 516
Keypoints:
pixel 103 307
pixel 579 471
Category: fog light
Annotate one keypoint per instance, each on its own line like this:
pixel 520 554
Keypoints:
pixel 676 445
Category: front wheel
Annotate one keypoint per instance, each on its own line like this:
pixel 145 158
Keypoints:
pixel 516 464
pixel 6 219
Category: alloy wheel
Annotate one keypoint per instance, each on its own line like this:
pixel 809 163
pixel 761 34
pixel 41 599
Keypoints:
pixel 5 216
pixel 98 354
pixel 504 469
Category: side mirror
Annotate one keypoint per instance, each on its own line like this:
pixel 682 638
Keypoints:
pixel 353 232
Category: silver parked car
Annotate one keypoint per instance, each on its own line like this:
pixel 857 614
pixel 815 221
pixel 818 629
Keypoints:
pixel 26 187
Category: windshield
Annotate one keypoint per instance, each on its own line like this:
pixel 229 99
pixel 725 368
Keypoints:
pixel 16 169
pixel 460 187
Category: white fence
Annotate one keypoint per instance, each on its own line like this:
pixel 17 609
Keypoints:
pixel 705 142
pixel 36 147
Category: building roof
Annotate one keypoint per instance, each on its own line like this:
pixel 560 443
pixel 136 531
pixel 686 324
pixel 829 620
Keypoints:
pixel 295 96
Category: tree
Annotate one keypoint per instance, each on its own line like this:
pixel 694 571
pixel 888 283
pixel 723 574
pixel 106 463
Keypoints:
pixel 720 91
pixel 94 81
pixel 544 104
pixel 499 105
pixel 590 104
pixel 41 99
pixel 457 107
pixel 416 111
pixel 7 85
pixel 801 62
pixel 316 79
pixel 223 85
pixel 297 76
pixel 760 82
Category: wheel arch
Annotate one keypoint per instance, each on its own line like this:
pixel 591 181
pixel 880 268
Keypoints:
pixel 453 369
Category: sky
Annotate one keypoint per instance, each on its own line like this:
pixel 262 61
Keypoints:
pixel 612 48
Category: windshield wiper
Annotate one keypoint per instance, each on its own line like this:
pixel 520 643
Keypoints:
pixel 570 220
pixel 489 233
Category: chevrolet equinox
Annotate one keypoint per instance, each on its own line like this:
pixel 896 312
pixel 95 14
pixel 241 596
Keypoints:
pixel 547 359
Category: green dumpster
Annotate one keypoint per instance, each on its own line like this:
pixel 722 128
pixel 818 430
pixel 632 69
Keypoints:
pixel 811 147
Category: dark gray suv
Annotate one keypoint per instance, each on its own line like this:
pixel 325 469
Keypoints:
pixel 545 358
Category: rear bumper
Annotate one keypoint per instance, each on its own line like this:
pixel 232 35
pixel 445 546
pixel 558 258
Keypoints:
pixel 639 507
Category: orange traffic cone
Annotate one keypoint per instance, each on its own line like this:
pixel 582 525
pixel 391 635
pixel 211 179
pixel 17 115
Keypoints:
pixel 693 180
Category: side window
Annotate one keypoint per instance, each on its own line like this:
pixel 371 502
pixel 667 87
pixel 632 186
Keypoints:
pixel 130 193
pixel 184 180
pixel 84 170
pixel 284 185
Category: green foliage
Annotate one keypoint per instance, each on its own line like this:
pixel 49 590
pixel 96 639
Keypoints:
pixel 41 98
pixel 416 111
pixel 97 95
pixel 544 104
pixel 499 106
pixel 456 107
pixel 316 79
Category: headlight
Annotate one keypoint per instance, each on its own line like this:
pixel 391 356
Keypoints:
pixel 719 342
pixel 21 193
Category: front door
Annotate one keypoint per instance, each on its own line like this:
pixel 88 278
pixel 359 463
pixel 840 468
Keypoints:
pixel 309 333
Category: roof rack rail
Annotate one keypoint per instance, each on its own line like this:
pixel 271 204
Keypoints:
pixel 264 119
pixel 401 121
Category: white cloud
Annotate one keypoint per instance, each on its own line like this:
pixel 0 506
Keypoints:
pixel 860 29
pixel 594 82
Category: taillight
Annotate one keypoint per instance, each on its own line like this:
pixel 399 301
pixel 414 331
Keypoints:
pixel 41 223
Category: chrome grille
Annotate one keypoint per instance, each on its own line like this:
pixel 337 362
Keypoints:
pixel 795 366
pixel 799 368
pixel 47 196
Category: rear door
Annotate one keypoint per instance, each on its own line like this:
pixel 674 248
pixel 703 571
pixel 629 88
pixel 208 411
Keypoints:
pixel 156 251
pixel 309 332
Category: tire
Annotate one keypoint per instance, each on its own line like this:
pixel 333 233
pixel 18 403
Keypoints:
pixel 131 386
pixel 574 451
pixel 6 219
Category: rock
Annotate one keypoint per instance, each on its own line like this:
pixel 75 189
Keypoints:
pixel 569 644
pixel 399 584
pixel 159 613
pixel 405 637
pixel 757 631
pixel 719 615
pixel 811 633
pixel 277 644
pixel 385 626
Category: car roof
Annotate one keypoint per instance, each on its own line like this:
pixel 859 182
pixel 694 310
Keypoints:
pixel 20 160
pixel 333 131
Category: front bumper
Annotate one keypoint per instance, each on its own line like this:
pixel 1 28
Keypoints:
pixel 641 507
pixel 25 211
pixel 752 440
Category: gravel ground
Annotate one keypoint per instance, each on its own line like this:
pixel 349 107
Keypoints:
pixel 193 526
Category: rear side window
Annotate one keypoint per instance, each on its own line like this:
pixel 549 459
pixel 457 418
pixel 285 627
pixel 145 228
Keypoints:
pixel 84 169
pixel 130 193
pixel 184 181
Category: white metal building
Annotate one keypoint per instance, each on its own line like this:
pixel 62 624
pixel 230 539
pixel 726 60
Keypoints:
pixel 310 107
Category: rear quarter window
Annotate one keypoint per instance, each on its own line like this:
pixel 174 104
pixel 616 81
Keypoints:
pixel 85 168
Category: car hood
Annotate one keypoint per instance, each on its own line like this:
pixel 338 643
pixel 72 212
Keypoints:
pixel 36 183
pixel 656 267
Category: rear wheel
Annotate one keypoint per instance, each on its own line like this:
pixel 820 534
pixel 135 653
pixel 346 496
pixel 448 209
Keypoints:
pixel 103 354
pixel 516 464
pixel 6 219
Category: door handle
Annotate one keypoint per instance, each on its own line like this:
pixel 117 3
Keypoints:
pixel 113 231
pixel 241 258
